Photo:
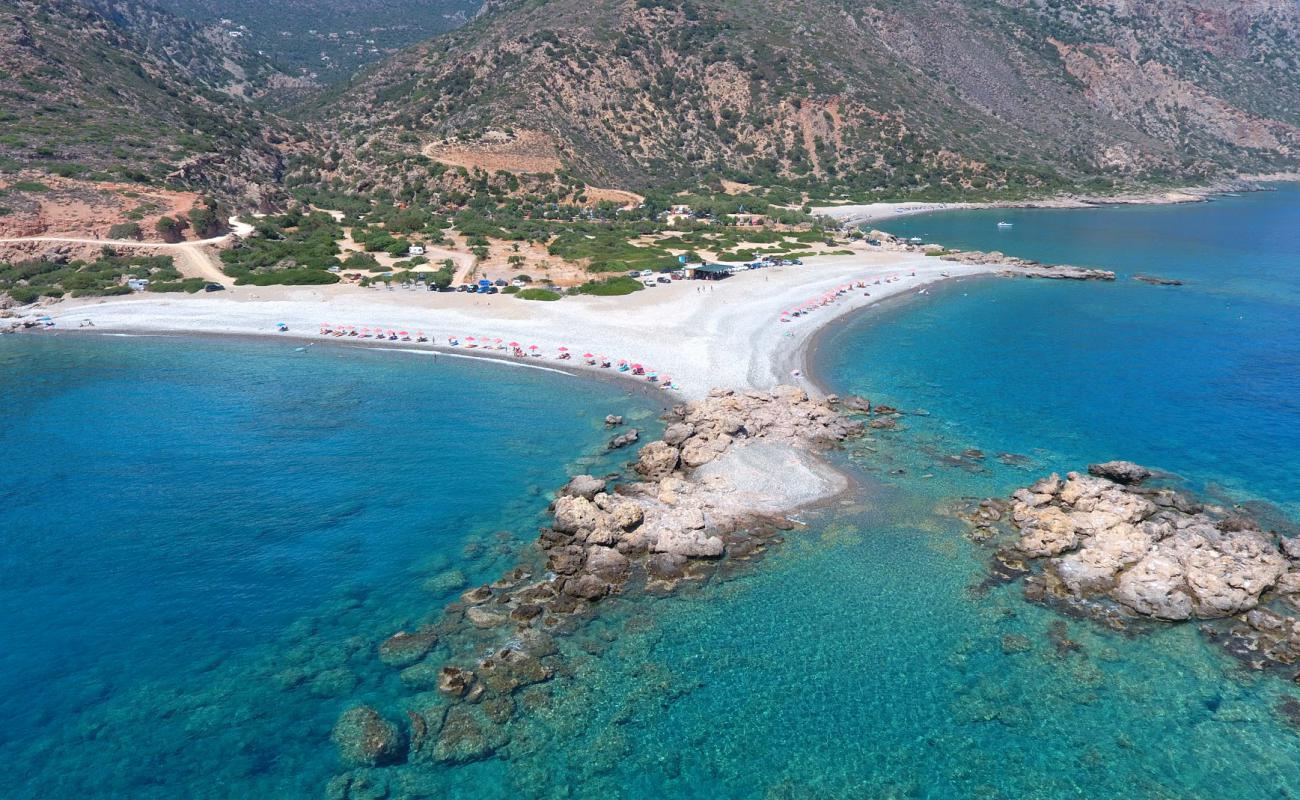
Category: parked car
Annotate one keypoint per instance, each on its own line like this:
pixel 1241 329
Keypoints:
pixel 646 273
pixel 499 282
pixel 798 262
pixel 664 279
pixel 649 282
pixel 213 287
pixel 461 288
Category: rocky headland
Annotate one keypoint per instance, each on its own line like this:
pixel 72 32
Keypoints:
pixel 1109 546
pixel 678 518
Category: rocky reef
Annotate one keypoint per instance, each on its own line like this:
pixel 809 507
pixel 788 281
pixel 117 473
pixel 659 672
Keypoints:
pixel 1109 546
pixel 663 527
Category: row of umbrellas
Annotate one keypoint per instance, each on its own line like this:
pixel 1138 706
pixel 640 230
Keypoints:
pixel 380 332
pixel 817 302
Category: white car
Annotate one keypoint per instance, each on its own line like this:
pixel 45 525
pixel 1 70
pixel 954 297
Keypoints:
pixel 648 282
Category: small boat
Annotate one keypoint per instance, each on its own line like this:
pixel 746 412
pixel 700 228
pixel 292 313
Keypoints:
pixel 1004 224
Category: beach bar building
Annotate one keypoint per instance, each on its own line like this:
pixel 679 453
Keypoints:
pixel 710 272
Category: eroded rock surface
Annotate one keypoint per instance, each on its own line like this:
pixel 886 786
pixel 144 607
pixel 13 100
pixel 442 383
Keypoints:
pixel 1152 551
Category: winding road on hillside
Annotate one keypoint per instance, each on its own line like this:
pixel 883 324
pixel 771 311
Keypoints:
pixel 192 258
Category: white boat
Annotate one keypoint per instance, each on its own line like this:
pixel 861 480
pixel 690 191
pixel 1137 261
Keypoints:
pixel 1004 224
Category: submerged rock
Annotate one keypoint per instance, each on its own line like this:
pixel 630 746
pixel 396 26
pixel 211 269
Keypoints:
pixel 364 738
pixel 403 649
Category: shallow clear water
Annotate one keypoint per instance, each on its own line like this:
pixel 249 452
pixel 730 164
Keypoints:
pixel 186 520
pixel 861 659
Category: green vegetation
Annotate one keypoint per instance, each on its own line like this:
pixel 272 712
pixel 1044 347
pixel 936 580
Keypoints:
pixel 610 287
pixel 29 186
pixel 537 294
pixel 125 230
pixel 609 251
pixel 292 249
pixel 190 285
pixel 28 281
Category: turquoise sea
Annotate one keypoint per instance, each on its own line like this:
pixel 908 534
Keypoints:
pixel 205 540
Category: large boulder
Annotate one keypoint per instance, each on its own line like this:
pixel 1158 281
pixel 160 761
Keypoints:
pixel 657 460
pixel 584 486
pixel 677 433
pixel 586 586
pixel 1202 572
pixel 1120 471
pixel 689 543
pixel 573 514
pixel 364 738
pixel 627 515
pixel 607 563
pixel 1046 531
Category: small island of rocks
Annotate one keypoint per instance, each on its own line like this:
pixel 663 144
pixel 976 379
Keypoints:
pixel 1108 546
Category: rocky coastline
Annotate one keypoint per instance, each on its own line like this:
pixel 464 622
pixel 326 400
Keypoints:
pixel 1010 266
pixel 674 521
pixel 1116 546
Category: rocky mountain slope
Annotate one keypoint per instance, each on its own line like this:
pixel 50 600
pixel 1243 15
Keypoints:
pixel 115 90
pixel 327 40
pixel 892 94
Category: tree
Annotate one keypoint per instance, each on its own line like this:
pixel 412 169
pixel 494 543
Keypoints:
pixel 204 221
pixel 170 229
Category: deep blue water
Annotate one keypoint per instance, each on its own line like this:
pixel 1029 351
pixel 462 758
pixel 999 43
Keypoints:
pixel 202 647
pixel 1201 379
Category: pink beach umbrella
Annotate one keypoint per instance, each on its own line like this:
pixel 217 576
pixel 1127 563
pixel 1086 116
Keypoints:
pixel 403 333
pixel 564 349
pixel 532 347
pixel 588 355
pixel 514 344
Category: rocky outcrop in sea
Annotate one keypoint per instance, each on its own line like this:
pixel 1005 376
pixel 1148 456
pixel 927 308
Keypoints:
pixel 662 527
pixel 1108 545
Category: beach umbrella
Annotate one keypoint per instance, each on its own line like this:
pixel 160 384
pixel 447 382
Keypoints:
pixel 588 355
pixel 564 349
pixel 532 347
pixel 622 361
pixel 403 333
pixel 637 366
pixel 469 339
pixel 514 344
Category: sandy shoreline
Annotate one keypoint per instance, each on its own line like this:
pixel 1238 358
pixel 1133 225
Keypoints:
pixel 702 335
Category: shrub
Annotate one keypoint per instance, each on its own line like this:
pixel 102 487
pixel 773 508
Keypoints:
pixel 125 230
pixel 288 277
pixel 610 287
pixel 29 186
pixel 510 290
pixel 537 294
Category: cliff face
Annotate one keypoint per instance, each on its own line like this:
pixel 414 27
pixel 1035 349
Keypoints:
pixel 899 94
